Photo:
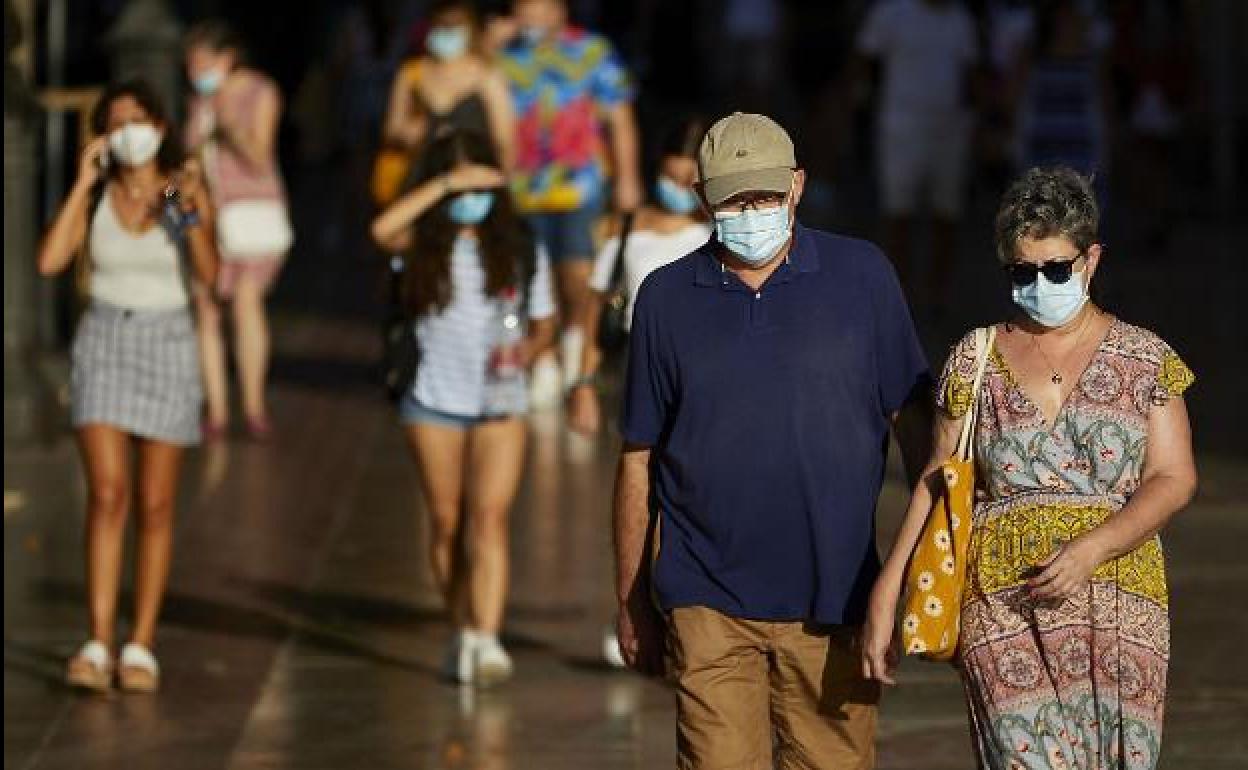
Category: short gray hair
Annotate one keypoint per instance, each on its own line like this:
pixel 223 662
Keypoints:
pixel 1044 203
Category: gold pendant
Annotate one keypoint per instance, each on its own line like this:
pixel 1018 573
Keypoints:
pixel 1057 378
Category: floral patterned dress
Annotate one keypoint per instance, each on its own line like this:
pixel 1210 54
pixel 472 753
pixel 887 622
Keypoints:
pixel 1079 684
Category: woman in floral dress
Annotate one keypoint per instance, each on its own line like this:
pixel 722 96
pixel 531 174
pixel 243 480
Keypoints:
pixel 1083 454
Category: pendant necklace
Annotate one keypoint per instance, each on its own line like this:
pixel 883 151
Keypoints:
pixel 1056 378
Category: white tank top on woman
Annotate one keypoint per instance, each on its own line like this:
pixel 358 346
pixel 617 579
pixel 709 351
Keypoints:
pixel 133 270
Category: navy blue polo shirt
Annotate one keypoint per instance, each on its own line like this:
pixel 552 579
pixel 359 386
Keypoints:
pixel 768 417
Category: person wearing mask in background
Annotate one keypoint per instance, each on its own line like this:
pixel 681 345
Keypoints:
pixel 145 221
pixel 1084 453
pixel 927 49
pixel 475 278
pixel 232 127
pixel 573 99
pixel 765 372
pixel 660 235
pixel 452 85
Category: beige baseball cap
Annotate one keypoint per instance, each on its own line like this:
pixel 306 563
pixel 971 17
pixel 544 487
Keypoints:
pixel 744 152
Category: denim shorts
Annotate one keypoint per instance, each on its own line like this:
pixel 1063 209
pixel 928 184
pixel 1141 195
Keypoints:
pixel 412 412
pixel 568 235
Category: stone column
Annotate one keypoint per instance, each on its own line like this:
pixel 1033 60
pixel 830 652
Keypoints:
pixel 146 42
pixel 23 391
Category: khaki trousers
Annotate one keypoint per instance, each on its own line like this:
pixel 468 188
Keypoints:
pixel 742 683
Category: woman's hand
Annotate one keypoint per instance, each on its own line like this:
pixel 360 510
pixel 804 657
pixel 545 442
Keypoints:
pixel 1066 571
pixel 190 181
pixel 584 411
pixel 474 177
pixel 89 164
pixel 879 646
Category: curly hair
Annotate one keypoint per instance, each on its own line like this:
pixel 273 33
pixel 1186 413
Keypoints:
pixel 1047 202
pixel 506 241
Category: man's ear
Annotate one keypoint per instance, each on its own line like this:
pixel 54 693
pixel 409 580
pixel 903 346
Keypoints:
pixel 799 185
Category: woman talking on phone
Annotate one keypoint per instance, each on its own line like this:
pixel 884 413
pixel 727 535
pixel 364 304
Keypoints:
pixel 145 222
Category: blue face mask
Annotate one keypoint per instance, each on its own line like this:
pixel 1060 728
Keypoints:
pixel 532 34
pixel 209 82
pixel 674 198
pixel 754 235
pixel 471 208
pixel 1051 304
pixel 447 42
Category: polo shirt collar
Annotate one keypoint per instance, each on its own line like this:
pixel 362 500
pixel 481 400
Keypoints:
pixel 709 271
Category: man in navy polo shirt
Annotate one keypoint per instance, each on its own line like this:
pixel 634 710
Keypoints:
pixel 765 372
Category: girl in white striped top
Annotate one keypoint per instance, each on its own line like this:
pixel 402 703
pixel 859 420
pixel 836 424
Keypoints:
pixel 479 292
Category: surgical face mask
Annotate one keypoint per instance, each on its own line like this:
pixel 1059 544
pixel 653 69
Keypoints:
pixel 1052 304
pixel 135 143
pixel 447 42
pixel 754 235
pixel 674 198
pixel 208 82
pixel 471 208
pixel 532 34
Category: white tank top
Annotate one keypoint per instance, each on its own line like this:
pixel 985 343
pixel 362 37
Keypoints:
pixel 133 270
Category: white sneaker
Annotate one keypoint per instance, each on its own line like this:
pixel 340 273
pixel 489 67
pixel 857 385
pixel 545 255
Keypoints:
pixel 611 650
pixel 457 666
pixel 544 383
pixel 493 664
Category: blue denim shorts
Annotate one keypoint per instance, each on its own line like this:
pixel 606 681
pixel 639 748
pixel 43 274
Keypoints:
pixel 568 235
pixel 411 412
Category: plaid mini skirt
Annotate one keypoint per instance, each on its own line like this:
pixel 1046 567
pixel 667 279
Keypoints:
pixel 137 370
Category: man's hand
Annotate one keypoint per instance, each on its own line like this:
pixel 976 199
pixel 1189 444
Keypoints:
pixel 628 195
pixel 642 635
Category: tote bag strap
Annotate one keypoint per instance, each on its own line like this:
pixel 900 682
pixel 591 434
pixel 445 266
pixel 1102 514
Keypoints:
pixel 984 339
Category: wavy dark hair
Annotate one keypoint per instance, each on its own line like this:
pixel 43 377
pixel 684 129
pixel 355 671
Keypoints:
pixel 170 156
pixel 506 241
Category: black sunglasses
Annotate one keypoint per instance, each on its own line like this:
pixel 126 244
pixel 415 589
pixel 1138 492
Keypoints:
pixel 1055 271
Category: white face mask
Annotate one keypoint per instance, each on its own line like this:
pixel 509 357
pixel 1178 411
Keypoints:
pixel 135 143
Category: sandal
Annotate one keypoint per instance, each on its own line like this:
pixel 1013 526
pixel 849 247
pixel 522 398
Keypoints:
pixel 91 668
pixel 138 671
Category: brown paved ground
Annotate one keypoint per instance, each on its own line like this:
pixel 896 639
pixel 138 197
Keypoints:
pixel 302 632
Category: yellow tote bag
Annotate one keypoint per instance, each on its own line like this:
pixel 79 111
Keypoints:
pixel 936 574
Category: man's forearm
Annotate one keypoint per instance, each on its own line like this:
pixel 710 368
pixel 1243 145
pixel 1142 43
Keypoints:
pixel 625 145
pixel 631 520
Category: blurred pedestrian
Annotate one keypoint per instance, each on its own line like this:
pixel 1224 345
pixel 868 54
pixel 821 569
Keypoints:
pixel 1153 61
pixel 479 288
pixel 452 85
pixel 576 129
pixel 927 49
pixel 657 236
pixel 1084 451
pixel 765 372
pixel 141 223
pixel 232 127
pixel 1061 88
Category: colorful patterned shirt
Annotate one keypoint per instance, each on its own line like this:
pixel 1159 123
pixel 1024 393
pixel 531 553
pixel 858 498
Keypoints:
pixel 560 88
